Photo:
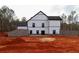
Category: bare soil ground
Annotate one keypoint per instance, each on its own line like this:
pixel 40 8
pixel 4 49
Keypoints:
pixel 39 44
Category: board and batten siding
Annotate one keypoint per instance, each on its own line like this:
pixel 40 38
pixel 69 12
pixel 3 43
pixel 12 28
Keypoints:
pixel 39 16
pixel 38 26
pixel 54 25
pixel 38 20
pixel 50 25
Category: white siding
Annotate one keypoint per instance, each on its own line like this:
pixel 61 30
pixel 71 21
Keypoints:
pixel 40 29
pixel 50 25
pixel 38 26
pixel 54 25
pixel 38 20
pixel 22 27
pixel 54 28
pixel 37 23
pixel 39 16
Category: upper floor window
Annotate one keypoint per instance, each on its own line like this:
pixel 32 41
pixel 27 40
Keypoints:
pixel 43 25
pixel 33 25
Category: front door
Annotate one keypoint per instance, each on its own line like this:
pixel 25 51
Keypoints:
pixel 37 31
pixel 43 32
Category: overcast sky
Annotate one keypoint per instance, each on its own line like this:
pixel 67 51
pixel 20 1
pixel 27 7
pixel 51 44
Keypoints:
pixel 23 9
pixel 51 10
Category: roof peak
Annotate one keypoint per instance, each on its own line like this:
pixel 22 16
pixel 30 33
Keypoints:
pixel 41 12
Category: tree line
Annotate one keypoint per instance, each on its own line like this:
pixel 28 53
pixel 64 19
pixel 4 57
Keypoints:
pixel 70 22
pixel 8 19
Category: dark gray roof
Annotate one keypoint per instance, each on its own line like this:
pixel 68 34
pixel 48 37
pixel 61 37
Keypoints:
pixel 22 24
pixel 54 18
pixel 49 17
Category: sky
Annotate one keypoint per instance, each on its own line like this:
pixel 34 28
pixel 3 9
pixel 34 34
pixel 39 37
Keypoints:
pixel 29 8
pixel 50 10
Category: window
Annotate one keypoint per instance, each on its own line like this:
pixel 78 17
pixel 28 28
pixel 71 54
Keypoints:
pixel 54 31
pixel 30 31
pixel 42 32
pixel 37 31
pixel 42 24
pixel 33 25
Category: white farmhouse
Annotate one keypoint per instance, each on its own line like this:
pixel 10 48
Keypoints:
pixel 41 24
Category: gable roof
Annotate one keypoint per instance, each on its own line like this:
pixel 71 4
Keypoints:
pixel 49 17
pixel 37 14
pixel 54 18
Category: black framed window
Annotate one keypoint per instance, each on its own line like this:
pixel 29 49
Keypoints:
pixel 54 31
pixel 43 25
pixel 43 32
pixel 33 25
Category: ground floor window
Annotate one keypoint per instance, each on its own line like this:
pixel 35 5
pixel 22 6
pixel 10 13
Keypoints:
pixel 54 31
pixel 30 31
pixel 43 32
pixel 37 31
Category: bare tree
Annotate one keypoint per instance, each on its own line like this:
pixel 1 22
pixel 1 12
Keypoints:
pixel 23 19
pixel 64 18
pixel 6 15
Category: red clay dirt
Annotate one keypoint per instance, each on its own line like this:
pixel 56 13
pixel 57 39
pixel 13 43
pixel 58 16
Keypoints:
pixel 33 44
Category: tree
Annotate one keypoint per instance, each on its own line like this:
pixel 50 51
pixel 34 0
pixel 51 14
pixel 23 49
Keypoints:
pixel 72 19
pixel 72 16
pixel 23 19
pixel 64 18
pixel 17 20
pixel 6 15
pixel 69 19
pixel 76 18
